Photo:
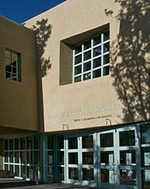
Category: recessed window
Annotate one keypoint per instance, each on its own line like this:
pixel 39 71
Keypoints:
pixel 12 65
pixel 91 58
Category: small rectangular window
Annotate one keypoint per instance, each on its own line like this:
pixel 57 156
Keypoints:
pixel 12 65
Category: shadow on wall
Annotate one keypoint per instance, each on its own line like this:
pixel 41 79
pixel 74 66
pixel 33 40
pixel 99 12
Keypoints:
pixel 43 32
pixel 131 59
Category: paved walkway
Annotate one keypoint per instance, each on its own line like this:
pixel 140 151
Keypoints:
pixel 20 184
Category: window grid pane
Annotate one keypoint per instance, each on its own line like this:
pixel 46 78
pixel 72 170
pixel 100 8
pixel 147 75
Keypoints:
pixel 91 58
pixel 12 65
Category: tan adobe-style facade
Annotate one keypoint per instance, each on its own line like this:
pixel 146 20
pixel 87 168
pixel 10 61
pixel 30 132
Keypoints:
pixel 75 90
pixel 18 99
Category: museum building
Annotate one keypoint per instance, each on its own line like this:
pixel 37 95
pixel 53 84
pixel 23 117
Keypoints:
pixel 75 95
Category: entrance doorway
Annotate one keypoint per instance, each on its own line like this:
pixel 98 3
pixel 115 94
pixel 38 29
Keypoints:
pixel 119 155
pixel 106 159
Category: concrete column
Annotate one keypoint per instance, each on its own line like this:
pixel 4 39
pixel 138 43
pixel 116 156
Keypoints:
pixel 43 158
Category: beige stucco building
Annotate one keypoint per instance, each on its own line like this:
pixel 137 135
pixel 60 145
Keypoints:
pixel 75 95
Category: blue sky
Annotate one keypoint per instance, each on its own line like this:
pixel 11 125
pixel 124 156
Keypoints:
pixel 21 10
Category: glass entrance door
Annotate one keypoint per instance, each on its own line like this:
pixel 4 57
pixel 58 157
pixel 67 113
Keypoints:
pixel 107 159
pixel 80 160
pixel 117 158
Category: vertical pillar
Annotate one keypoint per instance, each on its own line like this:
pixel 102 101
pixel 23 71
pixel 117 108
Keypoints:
pixel 1 154
pixel 43 158
pixel 138 156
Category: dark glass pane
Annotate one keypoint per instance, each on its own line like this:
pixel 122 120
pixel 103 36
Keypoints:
pixel 87 76
pixel 23 171
pixel 11 155
pixel 61 157
pixel 97 73
pixel 127 138
pixel 11 144
pixel 73 158
pixel 17 170
pixel 145 132
pixel 6 167
pixel 87 157
pixel 87 44
pixel 8 68
pixel 61 173
pixel 106 59
pixel 50 157
pixel 22 142
pixel 6 144
pixel 127 157
pixel 14 77
pixel 97 62
pixel 50 142
pixel 106 140
pixel 14 70
pixel 29 142
pixel 78 59
pixel 87 55
pixel 36 157
pixel 16 157
pixel 77 79
pixel 78 49
pixel 96 40
pixel 106 70
pixel 60 142
pixel 107 158
pixel 88 174
pixel 106 47
pixel 50 173
pixel 106 35
pixel 128 177
pixel 6 157
pixel 23 157
pixel 97 51
pixel 8 75
pixel 87 142
pixel 14 63
pixel 73 173
pixel 78 69
pixel 87 66
pixel 36 142
pixel 29 157
pixel 72 143
pixel 105 175
pixel 11 170
pixel 17 143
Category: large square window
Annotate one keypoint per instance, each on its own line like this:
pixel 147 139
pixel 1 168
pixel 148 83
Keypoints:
pixel 12 65
pixel 91 58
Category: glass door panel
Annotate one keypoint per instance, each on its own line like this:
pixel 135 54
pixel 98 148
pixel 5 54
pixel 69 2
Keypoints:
pixel 106 140
pixel 73 173
pixel 72 157
pixel 128 177
pixel 107 176
pixel 127 157
pixel 146 179
pixel 145 140
pixel 117 152
pixel 80 160
pixel 127 173
pixel 107 159
pixel 88 174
